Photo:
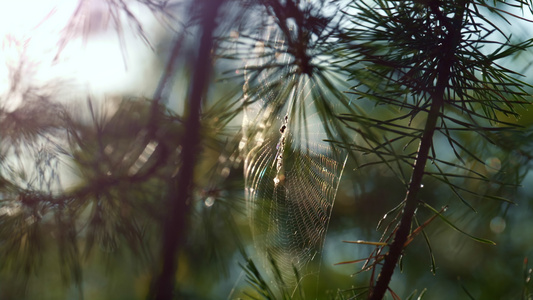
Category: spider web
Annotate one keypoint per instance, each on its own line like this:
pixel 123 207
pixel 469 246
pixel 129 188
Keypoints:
pixel 292 172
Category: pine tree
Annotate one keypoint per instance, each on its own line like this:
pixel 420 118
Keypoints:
pixel 424 90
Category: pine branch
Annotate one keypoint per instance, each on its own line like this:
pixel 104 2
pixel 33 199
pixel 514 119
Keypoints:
pixel 450 43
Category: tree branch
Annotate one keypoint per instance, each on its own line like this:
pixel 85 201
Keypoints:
pixel 174 227
pixel 450 44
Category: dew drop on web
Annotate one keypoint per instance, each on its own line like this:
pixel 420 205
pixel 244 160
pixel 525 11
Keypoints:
pixel 209 201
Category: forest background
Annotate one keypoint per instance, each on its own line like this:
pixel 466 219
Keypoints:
pixel 249 149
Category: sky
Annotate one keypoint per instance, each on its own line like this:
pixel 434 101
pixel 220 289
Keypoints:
pixel 93 65
pixel 31 32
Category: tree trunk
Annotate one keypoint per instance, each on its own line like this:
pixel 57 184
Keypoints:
pixel 175 224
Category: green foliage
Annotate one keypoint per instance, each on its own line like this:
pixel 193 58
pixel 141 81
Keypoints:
pixel 420 97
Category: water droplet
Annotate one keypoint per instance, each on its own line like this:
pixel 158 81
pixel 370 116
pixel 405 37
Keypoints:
pixel 421 185
pixel 276 181
pixel 209 201
pixel 497 225
pixel 225 172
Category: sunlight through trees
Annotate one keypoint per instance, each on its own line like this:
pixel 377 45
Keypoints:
pixel 219 149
